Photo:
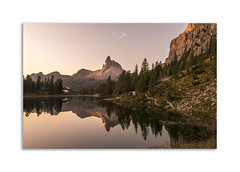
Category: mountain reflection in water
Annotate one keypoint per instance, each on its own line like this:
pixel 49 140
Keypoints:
pixel 151 126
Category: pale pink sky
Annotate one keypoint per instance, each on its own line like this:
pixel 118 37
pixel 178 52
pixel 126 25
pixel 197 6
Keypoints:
pixel 69 47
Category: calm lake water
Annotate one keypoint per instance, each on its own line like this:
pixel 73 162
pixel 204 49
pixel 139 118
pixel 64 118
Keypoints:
pixel 82 122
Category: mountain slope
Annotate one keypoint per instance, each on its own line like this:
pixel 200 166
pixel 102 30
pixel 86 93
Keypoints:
pixel 192 91
pixel 196 36
pixel 187 82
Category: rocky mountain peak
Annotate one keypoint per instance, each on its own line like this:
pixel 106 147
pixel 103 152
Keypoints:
pixel 110 63
pixel 197 36
pixel 108 59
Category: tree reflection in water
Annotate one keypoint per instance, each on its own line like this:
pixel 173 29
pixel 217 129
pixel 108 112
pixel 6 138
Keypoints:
pixel 143 120
pixel 50 105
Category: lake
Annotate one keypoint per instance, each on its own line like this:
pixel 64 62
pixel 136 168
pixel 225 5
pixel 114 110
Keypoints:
pixel 86 122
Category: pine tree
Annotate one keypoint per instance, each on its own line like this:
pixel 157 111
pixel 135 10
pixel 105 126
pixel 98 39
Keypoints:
pixel 161 72
pixel 28 84
pixel 120 84
pixel 165 69
pixel 134 79
pixel 155 74
pixel 144 76
pixel 33 86
pixel 151 84
pixel 145 66
pixel 153 66
pixel 58 86
pixel 175 65
pixel 189 60
pixel 169 69
pixel 42 85
pixel 51 85
pixel 38 85
pixel 142 83
pixel 123 83
pixel 127 82
pixel 108 86
pixel 45 84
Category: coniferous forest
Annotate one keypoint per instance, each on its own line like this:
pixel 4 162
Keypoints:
pixel 42 86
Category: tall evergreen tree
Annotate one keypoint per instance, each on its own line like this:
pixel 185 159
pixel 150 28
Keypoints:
pixel 51 85
pixel 165 69
pixel 155 74
pixel 108 86
pixel 189 60
pixel 174 65
pixel 45 84
pixel 161 72
pixel 28 84
pixel 169 69
pixel 144 76
pixel 42 85
pixel 145 65
pixel 128 82
pixel 58 86
pixel 38 85
pixel 33 88
pixel 134 79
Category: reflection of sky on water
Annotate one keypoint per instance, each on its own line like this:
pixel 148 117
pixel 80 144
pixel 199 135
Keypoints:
pixel 66 130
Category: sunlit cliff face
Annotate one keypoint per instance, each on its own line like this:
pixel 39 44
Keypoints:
pixel 197 36
pixel 190 27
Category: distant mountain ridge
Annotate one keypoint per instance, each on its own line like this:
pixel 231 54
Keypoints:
pixel 56 75
pixel 85 78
